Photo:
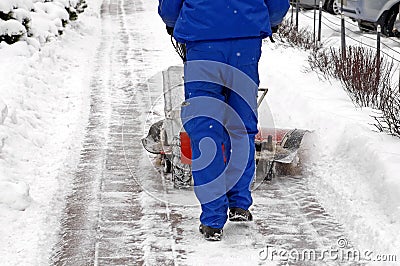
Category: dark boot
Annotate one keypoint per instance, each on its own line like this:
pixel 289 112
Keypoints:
pixel 240 215
pixel 209 233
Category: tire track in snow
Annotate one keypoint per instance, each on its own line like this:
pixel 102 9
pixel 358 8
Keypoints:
pixel 108 218
pixel 79 224
pixel 101 225
pixel 159 245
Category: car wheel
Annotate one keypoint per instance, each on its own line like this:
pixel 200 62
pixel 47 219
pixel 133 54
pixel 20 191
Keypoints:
pixel 331 6
pixel 335 8
pixel 389 20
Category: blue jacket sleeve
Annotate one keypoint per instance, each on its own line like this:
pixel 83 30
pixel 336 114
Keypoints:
pixel 277 10
pixel 169 11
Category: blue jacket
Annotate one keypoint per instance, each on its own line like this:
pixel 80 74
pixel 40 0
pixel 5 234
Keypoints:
pixel 198 20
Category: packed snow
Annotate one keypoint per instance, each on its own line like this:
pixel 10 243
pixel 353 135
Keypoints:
pixel 43 111
pixel 44 107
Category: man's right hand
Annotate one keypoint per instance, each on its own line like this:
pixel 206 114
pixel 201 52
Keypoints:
pixel 170 30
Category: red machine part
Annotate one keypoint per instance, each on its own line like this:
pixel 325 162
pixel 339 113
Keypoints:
pixel 186 151
pixel 277 136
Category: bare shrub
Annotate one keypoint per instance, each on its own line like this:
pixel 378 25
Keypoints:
pixel 5 16
pixel 320 61
pixel 362 73
pixel 367 79
pixel 300 38
pixel 389 119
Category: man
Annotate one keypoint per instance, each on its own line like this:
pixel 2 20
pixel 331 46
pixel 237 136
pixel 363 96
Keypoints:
pixel 223 41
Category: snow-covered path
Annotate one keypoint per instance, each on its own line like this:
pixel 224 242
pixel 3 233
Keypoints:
pixel 122 211
pixel 77 187
pixel 102 218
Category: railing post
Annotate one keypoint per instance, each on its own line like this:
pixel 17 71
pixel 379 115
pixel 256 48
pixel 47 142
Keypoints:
pixel 378 51
pixel 315 19
pixel 320 21
pixel 291 16
pixel 342 31
pixel 297 14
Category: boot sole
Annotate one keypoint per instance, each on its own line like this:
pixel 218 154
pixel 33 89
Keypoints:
pixel 239 218
pixel 215 237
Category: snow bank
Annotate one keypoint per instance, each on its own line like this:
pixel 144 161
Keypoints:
pixel 43 28
pixel 355 167
pixel 7 6
pixel 3 116
pixel 3 112
pixel 53 10
pixel 43 112
pixel 23 16
pixel 15 195
pixel 11 27
pixel 25 89
pixel 40 19
pixel 352 168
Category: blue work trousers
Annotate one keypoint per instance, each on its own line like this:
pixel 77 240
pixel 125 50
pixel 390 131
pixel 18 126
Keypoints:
pixel 220 116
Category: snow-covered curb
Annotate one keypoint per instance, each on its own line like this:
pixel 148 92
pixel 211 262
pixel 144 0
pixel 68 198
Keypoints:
pixel 45 94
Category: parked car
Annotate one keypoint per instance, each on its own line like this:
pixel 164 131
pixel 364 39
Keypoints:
pixel 330 6
pixel 370 13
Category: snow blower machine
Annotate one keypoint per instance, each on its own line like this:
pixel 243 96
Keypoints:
pixel 276 149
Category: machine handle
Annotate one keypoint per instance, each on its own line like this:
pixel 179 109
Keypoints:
pixel 264 90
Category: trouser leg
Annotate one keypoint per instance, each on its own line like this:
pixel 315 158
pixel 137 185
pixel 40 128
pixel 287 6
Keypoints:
pixel 202 116
pixel 243 99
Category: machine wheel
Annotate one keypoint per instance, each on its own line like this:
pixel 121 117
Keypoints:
pixel 182 178
pixel 271 171
pixel 181 173
pixel 167 165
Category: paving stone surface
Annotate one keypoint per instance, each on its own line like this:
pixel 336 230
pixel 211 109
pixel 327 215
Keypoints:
pixel 122 211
